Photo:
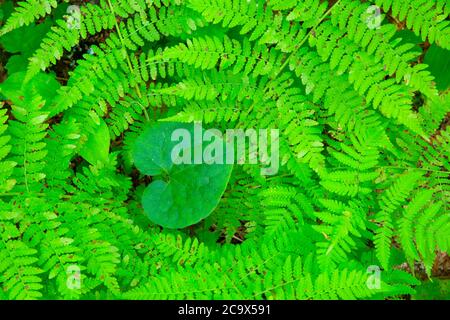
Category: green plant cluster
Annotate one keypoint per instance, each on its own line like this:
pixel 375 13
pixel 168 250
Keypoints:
pixel 362 113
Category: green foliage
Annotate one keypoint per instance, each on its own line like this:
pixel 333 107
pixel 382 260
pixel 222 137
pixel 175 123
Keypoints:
pixel 433 290
pixel 96 148
pixel 364 141
pixel 185 189
pixel 437 59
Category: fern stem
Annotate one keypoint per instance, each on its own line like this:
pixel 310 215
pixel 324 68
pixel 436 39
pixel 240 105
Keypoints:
pixel 403 168
pixel 130 66
pixel 306 38
pixel 147 118
pixel 25 166
pixel 298 47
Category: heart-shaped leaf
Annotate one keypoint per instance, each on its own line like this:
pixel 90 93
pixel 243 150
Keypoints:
pixel 182 194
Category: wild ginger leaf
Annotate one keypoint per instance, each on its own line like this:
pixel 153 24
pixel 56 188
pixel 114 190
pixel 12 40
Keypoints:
pixel 181 194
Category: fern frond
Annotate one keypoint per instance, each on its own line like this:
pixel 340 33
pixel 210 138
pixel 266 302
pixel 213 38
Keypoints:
pixel 28 148
pixel 389 203
pixel 26 12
